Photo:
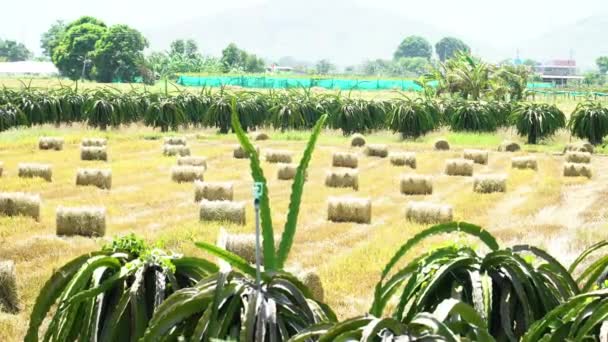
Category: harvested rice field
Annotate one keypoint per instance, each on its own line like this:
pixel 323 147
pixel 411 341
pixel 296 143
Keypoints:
pixel 543 207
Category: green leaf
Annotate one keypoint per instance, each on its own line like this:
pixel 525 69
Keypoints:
pixel 232 259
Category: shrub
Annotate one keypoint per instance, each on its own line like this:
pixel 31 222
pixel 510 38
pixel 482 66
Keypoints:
pixel 589 121
pixel 165 113
pixel 11 116
pixel 474 116
pixel 412 117
pixel 111 293
pixel 537 120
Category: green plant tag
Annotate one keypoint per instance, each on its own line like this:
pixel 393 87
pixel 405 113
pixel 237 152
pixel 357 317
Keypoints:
pixel 258 190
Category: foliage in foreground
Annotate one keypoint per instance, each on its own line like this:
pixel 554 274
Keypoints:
pixel 589 121
pixel 537 120
pixel 111 295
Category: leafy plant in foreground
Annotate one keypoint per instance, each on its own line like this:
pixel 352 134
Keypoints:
pixel 111 295
pixel 228 305
pixel 537 120
pixel 589 121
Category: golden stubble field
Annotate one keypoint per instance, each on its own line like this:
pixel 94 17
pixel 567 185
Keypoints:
pixel 560 214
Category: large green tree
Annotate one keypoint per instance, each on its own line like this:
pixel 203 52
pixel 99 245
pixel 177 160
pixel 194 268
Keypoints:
pixel 13 51
pixel 72 55
pixel 118 54
pixel 324 66
pixel 51 38
pixel 447 47
pixel 235 59
pixel 602 64
pixel 414 46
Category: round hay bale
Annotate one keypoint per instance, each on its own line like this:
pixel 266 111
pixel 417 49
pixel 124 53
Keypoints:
pixel 260 136
pixel 376 150
pixel 20 204
pixel 578 157
pixel 349 209
pixel 187 173
pixel 1 168
pixel 310 278
pixel 425 212
pixel 177 141
pixel 83 221
pixel 345 159
pixel 31 170
pixel 578 170
pixel 50 143
pixel 223 211
pixel 213 191
pixel 96 142
pixel 357 140
pixel 176 150
pixel 278 156
pixel 239 152
pixel 342 178
pixel 403 159
pixel 442 145
pixel 9 299
pixel 525 162
pixel 288 172
pixel 93 153
pixel 490 183
pixel 509 146
pixel 412 184
pixel 243 245
pixel 477 156
pixel 459 167
pixel 579 147
pixel 101 178
pixel 192 161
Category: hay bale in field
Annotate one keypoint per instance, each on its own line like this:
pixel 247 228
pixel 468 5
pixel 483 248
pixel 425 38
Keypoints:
pixel 259 136
pixel 9 299
pixel 345 159
pixel 20 204
pixel 239 152
pixel 425 212
pixel 221 211
pixel 176 150
pixel 187 173
pixel 83 221
pixel 441 145
pixel 192 161
pixel 288 172
pixel 50 143
pixel 490 183
pixel 525 162
pixel 459 167
pixel 412 184
pixel 342 178
pixel 509 146
pixel 349 209
pixel 213 191
pixel 93 153
pixel 577 170
pixel 477 156
pixel 376 150
pixel 96 142
pixel 243 245
pixel 101 178
pixel 403 159
pixel 31 170
pixel 310 278
pixel 357 140
pixel 579 147
pixel 177 141
pixel 1 168
pixel 578 157
pixel 278 156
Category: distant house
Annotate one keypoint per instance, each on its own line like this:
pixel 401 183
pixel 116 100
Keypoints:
pixel 28 68
pixel 278 69
pixel 559 71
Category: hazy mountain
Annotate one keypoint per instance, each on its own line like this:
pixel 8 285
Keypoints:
pixel 585 40
pixel 307 30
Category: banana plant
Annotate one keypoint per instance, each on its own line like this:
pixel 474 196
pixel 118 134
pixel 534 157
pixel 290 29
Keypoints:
pixel 229 305
pixel 510 288
pixel 110 295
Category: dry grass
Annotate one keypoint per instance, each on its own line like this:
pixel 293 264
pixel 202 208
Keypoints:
pixel 145 201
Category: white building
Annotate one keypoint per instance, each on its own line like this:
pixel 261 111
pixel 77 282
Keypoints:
pixel 28 68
